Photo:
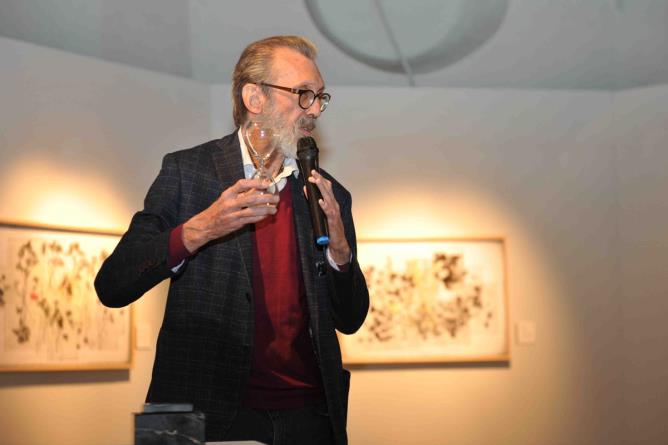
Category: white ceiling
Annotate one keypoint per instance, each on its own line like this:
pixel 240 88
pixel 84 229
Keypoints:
pixel 564 44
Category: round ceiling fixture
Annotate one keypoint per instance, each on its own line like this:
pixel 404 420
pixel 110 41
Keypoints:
pixel 402 36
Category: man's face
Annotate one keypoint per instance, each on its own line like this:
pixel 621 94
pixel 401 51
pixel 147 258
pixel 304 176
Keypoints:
pixel 292 122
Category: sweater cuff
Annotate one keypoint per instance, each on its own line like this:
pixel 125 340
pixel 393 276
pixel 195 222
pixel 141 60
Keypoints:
pixel 177 250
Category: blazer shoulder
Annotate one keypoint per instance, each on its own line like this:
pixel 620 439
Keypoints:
pixel 201 153
pixel 194 152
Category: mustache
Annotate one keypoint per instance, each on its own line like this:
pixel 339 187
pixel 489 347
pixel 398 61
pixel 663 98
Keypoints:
pixel 306 122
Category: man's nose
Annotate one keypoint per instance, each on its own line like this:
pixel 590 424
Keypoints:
pixel 314 109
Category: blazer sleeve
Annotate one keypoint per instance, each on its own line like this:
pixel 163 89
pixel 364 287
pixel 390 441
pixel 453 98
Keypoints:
pixel 349 296
pixel 139 261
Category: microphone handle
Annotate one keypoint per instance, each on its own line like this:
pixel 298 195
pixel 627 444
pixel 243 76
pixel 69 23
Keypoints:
pixel 317 215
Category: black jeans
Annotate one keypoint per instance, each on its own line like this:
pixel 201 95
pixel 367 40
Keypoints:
pixel 302 426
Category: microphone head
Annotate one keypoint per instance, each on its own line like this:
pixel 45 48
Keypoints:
pixel 306 148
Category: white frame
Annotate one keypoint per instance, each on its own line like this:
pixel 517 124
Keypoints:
pixel 414 316
pixel 50 316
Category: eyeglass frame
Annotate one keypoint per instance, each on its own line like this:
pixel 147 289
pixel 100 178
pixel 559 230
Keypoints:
pixel 323 97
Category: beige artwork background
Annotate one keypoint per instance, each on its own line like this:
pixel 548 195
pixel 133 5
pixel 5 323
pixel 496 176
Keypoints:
pixel 432 301
pixel 50 316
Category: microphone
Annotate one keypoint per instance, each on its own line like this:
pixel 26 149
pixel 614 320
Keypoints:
pixel 307 160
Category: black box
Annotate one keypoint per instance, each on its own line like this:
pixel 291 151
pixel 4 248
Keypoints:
pixel 162 425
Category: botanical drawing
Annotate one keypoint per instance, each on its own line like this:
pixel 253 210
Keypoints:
pixel 49 312
pixel 431 299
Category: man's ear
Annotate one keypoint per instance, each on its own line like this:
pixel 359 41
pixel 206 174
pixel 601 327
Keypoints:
pixel 253 98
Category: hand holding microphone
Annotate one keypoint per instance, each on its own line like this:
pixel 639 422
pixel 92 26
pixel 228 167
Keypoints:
pixel 324 208
pixel 307 160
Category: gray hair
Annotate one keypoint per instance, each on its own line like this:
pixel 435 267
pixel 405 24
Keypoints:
pixel 255 63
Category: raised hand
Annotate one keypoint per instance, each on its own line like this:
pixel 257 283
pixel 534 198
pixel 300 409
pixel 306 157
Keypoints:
pixel 241 204
pixel 339 249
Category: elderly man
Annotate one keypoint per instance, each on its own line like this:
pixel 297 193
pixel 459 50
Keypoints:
pixel 249 331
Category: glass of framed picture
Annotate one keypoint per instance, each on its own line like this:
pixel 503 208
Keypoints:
pixel 50 316
pixel 436 300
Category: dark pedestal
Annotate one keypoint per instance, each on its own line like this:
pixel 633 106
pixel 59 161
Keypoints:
pixel 171 428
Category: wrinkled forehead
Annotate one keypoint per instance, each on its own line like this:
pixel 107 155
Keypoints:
pixel 292 69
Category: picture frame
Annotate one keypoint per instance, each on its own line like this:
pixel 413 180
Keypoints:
pixel 432 301
pixel 50 316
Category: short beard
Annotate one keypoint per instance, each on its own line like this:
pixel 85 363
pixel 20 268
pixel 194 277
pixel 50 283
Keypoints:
pixel 287 142
pixel 287 136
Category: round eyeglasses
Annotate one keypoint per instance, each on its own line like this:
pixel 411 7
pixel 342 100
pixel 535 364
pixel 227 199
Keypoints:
pixel 306 97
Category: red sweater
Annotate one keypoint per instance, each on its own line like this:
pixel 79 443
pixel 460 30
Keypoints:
pixel 284 373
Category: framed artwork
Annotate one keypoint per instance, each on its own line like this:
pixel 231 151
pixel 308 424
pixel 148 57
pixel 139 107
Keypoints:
pixel 50 316
pixel 442 300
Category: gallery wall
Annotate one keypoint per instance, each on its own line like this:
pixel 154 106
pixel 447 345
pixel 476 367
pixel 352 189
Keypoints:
pixel 80 142
pixel 641 142
pixel 571 180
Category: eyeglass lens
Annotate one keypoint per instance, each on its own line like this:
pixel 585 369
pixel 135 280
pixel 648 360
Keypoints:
pixel 307 97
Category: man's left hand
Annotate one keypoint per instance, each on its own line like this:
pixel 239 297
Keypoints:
pixel 339 249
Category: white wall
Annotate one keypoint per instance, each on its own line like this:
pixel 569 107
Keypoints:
pixel 534 167
pixel 80 142
pixel 641 134
pixel 564 176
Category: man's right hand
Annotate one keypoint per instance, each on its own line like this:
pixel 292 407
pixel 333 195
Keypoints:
pixel 241 204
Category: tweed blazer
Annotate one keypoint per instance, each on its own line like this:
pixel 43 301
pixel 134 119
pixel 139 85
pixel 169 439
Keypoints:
pixel 204 348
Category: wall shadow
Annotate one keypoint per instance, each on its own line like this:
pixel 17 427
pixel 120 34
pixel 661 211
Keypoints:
pixel 420 366
pixel 18 379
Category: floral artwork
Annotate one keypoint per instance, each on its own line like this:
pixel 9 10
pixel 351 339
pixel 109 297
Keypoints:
pixel 50 316
pixel 442 300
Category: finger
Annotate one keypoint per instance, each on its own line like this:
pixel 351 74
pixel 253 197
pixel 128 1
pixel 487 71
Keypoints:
pixel 244 185
pixel 250 214
pixel 330 208
pixel 241 219
pixel 257 199
pixel 323 184
pixel 255 213
pixel 251 219
pixel 319 180
pixel 323 205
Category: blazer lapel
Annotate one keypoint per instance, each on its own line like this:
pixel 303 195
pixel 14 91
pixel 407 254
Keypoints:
pixel 229 168
pixel 227 160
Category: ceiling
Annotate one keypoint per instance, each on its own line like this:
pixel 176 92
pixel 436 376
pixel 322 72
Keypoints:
pixel 552 44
